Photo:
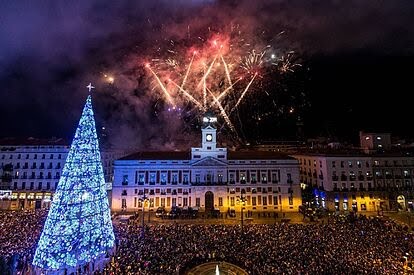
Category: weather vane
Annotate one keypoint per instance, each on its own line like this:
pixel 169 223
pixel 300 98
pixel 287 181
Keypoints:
pixel 90 87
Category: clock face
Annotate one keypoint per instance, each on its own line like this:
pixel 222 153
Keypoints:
pixel 209 137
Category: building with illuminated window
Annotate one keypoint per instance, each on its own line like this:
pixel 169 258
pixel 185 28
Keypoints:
pixel 30 170
pixel 207 178
pixel 357 181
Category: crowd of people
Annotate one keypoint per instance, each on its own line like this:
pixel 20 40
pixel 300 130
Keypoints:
pixel 362 246
pixel 19 233
pixel 340 246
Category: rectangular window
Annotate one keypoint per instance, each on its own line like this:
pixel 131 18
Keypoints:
pixel 231 201
pixel 198 202
pixel 197 178
pixel 275 201
pixel 135 201
pixel 163 202
pixel 290 200
pixel 174 201
pixel 152 178
pixel 163 178
pixel 220 201
pixel 254 201
pixel 264 200
pixel 185 201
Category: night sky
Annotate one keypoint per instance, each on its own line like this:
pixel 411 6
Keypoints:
pixel 355 73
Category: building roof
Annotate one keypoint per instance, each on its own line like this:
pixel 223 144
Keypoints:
pixel 159 155
pixel 242 155
pixel 354 153
pixel 31 141
pixel 185 155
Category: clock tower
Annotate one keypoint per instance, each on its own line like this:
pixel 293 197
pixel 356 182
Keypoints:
pixel 209 131
pixel 208 147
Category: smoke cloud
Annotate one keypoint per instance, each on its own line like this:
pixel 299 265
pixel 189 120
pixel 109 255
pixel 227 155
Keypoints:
pixel 50 50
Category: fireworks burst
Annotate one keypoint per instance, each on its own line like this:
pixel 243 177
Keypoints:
pixel 216 75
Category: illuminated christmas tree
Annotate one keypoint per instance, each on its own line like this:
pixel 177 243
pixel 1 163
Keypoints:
pixel 78 228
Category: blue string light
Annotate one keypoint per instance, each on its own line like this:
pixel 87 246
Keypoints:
pixel 78 228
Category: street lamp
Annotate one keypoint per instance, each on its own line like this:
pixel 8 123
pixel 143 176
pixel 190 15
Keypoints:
pixel 242 200
pixel 143 200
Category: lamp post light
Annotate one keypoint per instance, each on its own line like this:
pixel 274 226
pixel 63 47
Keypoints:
pixel 143 200
pixel 242 201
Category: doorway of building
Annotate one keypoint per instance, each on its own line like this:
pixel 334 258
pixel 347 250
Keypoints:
pixel 209 201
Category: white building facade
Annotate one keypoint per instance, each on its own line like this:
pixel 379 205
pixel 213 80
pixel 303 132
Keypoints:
pixel 359 182
pixel 30 171
pixel 207 178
